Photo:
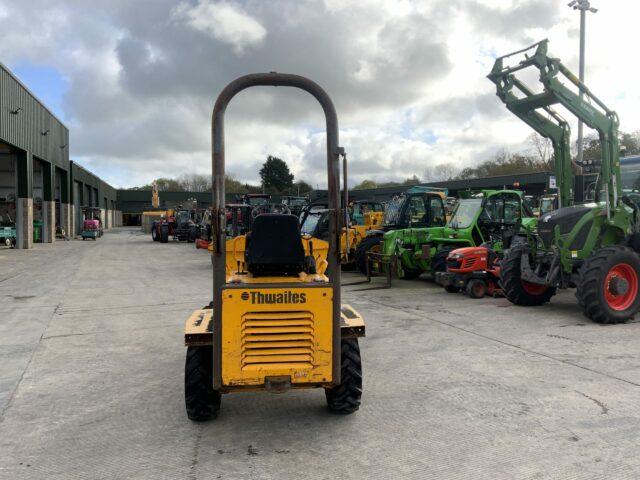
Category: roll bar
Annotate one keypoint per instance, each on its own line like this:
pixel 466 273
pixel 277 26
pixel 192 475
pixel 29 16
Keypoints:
pixel 219 216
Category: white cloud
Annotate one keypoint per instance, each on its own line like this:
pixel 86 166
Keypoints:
pixel 222 21
pixel 408 78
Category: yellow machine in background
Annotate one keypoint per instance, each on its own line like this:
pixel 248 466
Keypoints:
pixel 315 222
pixel 276 321
pixel 355 234
pixel 155 198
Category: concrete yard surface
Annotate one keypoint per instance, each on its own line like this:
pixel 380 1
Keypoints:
pixel 91 381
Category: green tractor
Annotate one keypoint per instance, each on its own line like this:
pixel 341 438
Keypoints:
pixel 415 238
pixel 593 246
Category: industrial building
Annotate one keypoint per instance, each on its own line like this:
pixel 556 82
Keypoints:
pixel 41 190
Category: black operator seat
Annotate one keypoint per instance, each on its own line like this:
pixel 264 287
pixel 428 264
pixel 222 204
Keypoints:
pixel 274 246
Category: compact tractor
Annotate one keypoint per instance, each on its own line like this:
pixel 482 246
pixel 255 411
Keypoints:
pixel 92 223
pixel 276 321
pixel 415 238
pixel 592 247
pixel 473 270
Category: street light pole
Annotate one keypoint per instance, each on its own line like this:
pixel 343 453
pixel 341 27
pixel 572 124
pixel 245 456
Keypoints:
pixel 583 6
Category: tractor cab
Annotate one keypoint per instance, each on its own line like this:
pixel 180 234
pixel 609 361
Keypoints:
pixel 418 207
pixel 489 216
pixel 316 223
pixel 548 203
pixel 501 216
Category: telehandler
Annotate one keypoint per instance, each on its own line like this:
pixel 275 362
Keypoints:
pixel 593 246
pixel 276 321
pixel 420 241
pixel 364 216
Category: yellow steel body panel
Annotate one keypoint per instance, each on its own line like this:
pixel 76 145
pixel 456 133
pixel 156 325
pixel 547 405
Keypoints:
pixel 273 332
pixel 198 329
pixel 235 253
pixel 373 219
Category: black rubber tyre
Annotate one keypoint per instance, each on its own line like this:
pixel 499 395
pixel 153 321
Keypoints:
pixel 361 252
pixel 410 273
pixel 439 261
pixel 452 289
pixel 192 235
pixel 345 398
pixel 514 289
pixel 476 288
pixel 593 284
pixel 201 400
pixel 164 233
pixel 154 233
pixel 348 267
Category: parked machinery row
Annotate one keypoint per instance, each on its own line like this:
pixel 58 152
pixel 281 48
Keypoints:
pixel 508 248
pixel 275 321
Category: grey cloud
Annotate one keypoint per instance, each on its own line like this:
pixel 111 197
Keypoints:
pixel 142 80
pixel 514 21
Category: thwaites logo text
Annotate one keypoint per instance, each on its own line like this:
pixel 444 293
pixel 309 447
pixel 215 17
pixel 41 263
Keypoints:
pixel 259 298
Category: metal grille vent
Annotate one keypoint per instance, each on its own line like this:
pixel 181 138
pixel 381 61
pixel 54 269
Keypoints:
pixel 277 340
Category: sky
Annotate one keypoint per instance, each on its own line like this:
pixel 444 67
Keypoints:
pixel 135 81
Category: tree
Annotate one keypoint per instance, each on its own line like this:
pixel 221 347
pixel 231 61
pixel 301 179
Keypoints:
pixel 365 184
pixel 592 150
pixel 441 172
pixel 195 182
pixel 505 163
pixel 231 185
pixel 168 185
pixel 275 175
pixel 412 181
pixel 542 149
pixel 301 187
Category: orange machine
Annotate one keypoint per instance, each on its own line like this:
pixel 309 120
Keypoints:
pixel 475 270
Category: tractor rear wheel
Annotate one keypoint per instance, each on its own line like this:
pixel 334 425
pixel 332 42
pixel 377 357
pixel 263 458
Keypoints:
pixel 517 290
pixel 201 400
pixel 164 233
pixel 608 285
pixel 476 288
pixel 345 398
pixel 366 245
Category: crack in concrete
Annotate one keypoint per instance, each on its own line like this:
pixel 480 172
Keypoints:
pixel 602 406
pixel 120 307
pixel 193 468
pixel 497 340
pixel 33 353
pixel 65 335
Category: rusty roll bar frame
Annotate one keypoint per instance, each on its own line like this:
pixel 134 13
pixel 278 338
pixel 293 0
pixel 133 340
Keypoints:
pixel 219 221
